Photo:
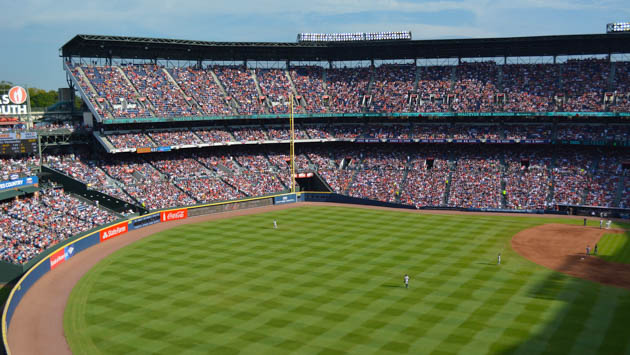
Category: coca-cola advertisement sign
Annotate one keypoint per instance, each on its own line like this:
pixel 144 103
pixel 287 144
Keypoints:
pixel 114 231
pixel 173 215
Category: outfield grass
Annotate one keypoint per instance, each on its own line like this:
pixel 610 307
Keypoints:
pixel 329 281
pixel 615 247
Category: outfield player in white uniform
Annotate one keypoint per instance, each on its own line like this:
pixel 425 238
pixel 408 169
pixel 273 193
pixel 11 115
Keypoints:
pixel 275 224
pixel 499 259
pixel 608 224
pixel 406 278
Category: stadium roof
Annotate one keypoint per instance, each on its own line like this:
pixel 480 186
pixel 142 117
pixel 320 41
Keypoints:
pixel 97 46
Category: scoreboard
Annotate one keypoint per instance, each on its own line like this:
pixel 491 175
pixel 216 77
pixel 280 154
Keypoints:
pixel 14 143
pixel 18 146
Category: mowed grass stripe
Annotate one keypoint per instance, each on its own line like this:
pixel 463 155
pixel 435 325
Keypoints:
pixel 329 280
pixel 615 247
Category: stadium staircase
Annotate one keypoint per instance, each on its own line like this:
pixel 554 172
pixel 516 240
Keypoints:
pixel 109 147
pixel 151 139
pixel 503 185
pixel 325 86
pixel 447 190
pixel 192 102
pixel 593 170
pixel 620 190
pixel 611 76
pixel 366 100
pixel 79 188
pixel 552 182
pixel 301 103
pixel 266 105
pixel 147 103
pixel 84 79
pixel 232 104
pixel 403 183
pixel 354 176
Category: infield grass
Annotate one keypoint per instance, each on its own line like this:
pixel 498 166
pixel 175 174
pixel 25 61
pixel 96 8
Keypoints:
pixel 329 281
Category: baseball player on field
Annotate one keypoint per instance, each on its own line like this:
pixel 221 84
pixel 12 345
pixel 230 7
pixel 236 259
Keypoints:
pixel 406 279
pixel 275 224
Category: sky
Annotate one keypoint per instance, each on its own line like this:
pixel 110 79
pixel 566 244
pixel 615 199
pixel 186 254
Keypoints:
pixel 34 30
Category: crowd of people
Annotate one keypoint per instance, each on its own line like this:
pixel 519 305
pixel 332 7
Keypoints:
pixel 275 88
pixel 469 176
pixel 20 166
pixel 430 131
pixel 241 87
pixel 476 181
pixel 527 179
pixel 570 176
pixel 199 84
pixel 30 225
pixel 154 84
pixel 309 85
pixel 131 91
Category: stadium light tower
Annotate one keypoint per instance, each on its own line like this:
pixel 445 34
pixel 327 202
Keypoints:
pixel 354 37
pixel 616 27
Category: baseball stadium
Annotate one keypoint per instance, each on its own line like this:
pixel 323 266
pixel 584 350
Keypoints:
pixel 357 193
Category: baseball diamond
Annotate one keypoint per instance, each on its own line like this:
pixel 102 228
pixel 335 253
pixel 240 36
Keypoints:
pixel 328 281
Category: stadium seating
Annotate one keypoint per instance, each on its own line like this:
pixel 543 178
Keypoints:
pixel 136 91
pixel 28 226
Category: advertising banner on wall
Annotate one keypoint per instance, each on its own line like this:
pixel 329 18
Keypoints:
pixel 57 259
pixel 173 215
pixel 144 221
pixel 22 182
pixel 280 200
pixel 114 231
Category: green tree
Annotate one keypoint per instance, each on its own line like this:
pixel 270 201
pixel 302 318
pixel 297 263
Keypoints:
pixel 42 98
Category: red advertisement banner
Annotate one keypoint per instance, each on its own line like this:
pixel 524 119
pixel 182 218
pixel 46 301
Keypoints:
pixel 173 215
pixel 57 259
pixel 114 231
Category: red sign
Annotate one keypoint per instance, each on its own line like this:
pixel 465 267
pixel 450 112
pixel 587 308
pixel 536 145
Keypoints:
pixel 17 95
pixel 57 259
pixel 173 215
pixel 114 231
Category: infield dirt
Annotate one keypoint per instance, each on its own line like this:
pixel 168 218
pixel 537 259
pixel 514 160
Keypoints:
pixel 562 248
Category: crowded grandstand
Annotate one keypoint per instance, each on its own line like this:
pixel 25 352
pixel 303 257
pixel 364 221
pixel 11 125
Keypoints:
pixel 468 134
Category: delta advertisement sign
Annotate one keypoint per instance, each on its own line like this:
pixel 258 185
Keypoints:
pixel 114 231
pixel 61 256
pixel 173 215
pixel 14 102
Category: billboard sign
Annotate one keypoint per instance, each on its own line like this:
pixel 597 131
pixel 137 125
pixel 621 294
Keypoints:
pixel 114 231
pixel 280 200
pixel 22 182
pixel 14 102
pixel 145 221
pixel 173 215
pixel 57 259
